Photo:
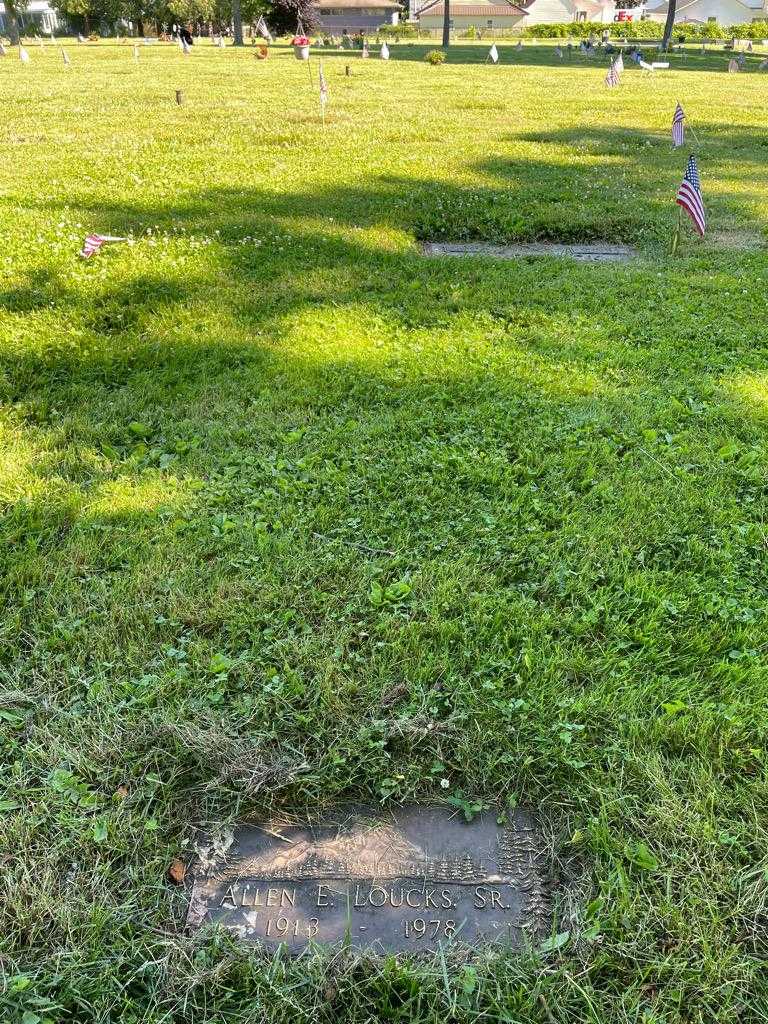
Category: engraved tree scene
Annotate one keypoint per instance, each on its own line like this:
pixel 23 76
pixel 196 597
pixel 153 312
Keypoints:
pixel 364 850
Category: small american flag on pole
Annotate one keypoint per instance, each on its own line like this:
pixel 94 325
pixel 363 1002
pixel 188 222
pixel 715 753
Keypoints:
pixel 261 28
pixel 614 72
pixel 678 126
pixel 93 244
pixel 689 196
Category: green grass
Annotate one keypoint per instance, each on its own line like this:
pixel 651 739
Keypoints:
pixel 292 515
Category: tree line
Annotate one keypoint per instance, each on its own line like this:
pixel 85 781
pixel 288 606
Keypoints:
pixel 151 15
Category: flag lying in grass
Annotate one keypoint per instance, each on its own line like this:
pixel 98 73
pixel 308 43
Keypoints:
pixel 678 127
pixel 93 244
pixel 614 72
pixel 384 52
pixel 689 196
pixel 493 55
pixel 23 55
pixel 261 28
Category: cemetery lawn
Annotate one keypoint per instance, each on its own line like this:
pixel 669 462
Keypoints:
pixel 291 515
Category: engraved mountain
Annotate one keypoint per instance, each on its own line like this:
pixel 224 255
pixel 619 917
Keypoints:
pixel 365 850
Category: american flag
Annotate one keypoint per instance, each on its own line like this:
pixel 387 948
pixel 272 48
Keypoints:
pixel 493 54
pixel 678 127
pixel 323 89
pixel 93 243
pixel 614 72
pixel 384 52
pixel 261 28
pixel 689 196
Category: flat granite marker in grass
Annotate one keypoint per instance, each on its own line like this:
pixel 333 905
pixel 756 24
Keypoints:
pixel 584 252
pixel 411 880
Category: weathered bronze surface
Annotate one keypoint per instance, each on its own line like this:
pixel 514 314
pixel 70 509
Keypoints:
pixel 411 879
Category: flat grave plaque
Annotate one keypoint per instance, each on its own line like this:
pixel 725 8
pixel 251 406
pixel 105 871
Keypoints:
pixel 584 252
pixel 412 879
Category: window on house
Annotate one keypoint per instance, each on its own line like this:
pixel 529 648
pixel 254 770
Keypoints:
pixel 489 23
pixel 581 15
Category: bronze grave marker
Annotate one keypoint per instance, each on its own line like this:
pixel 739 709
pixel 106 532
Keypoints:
pixel 411 879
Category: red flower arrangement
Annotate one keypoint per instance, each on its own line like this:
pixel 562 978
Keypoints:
pixel 300 41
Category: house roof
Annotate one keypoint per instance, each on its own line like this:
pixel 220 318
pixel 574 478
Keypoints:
pixel 662 8
pixel 356 5
pixel 436 9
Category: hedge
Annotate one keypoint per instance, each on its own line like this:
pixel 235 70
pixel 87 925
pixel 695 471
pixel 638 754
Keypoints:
pixel 646 30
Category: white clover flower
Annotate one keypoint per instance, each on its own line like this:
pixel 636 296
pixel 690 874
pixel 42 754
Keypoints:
pixel 445 783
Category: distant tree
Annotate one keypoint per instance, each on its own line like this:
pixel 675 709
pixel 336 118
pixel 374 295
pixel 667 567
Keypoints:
pixel 669 24
pixel 192 11
pixel 84 9
pixel 237 22
pixel 13 9
pixel 283 16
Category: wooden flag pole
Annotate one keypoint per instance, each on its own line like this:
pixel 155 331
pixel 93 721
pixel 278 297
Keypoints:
pixel 693 133
pixel 676 232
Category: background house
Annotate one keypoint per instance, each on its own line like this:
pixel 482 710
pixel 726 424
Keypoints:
pixel 485 15
pixel 724 12
pixel 542 12
pixel 498 15
pixel 356 15
pixel 39 17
